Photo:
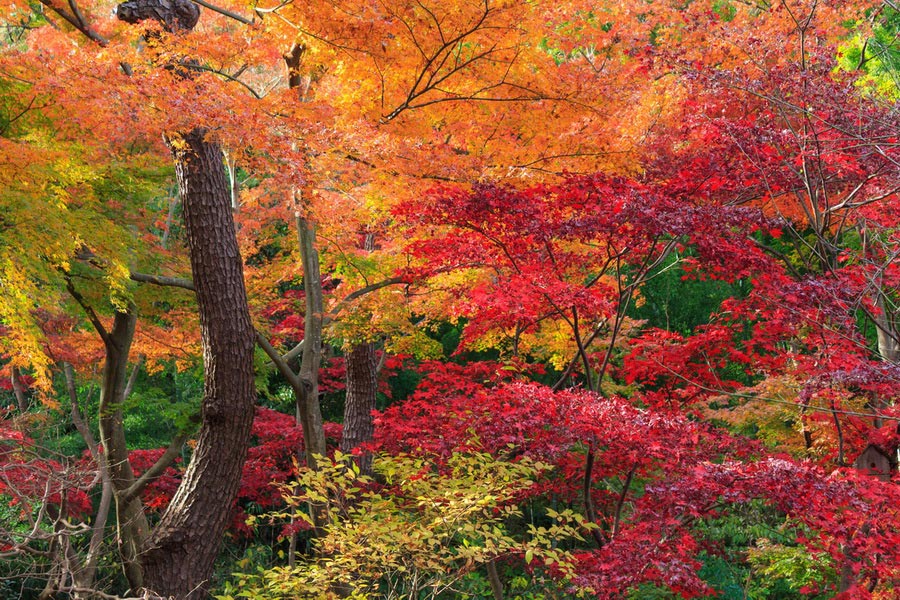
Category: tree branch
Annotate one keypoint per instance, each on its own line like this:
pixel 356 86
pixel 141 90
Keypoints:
pixel 77 418
pixel 88 309
pixel 334 312
pixel 151 474
pixel 227 76
pixel 161 280
pixel 294 352
pixel 281 362
pixel 621 502
pixel 133 377
pixel 225 12
pixel 587 485
pixel 77 20
pixel 97 529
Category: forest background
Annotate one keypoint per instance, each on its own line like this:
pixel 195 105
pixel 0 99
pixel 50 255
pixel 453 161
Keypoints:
pixel 481 298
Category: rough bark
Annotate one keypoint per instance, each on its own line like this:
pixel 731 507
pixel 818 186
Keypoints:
pixel 178 556
pixel 177 559
pixel 362 387
pixel 174 15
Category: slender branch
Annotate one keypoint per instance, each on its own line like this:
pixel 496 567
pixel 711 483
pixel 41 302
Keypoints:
pixel 76 20
pixel 75 413
pixel 840 434
pixel 106 495
pixel 801 407
pixel 89 311
pixel 229 77
pixel 280 362
pixel 574 360
pixel 335 311
pixel 132 379
pixel 381 362
pixel 590 513
pixel 151 474
pixel 282 359
pixel 582 350
pixel 161 280
pixel 621 502
pixel 225 12
pixel 18 390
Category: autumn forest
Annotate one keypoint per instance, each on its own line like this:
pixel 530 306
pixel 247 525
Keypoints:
pixel 438 299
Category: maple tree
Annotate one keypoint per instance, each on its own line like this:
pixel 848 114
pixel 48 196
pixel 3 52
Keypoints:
pixel 519 173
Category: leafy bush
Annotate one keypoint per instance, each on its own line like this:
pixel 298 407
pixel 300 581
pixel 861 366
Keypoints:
pixel 418 535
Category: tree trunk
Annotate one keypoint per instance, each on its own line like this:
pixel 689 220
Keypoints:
pixel 886 330
pixel 132 523
pixel 308 401
pixel 309 413
pixel 178 557
pixel 84 572
pixel 21 400
pixel 305 384
pixel 362 386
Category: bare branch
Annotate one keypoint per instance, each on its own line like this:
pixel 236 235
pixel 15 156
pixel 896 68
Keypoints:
pixel 89 311
pixel 225 12
pixel 294 352
pixel 77 418
pixel 161 280
pixel 336 310
pixel 281 362
pixel 151 474
pixel 76 20
pixel 129 387
pixel 228 76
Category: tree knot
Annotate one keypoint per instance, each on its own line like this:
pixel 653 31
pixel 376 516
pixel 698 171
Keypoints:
pixel 175 15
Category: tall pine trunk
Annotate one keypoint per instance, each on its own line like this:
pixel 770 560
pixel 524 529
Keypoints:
pixel 178 556
pixel 362 386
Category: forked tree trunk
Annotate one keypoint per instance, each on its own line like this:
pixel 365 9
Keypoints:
pixel 306 384
pixel 131 523
pixel 178 556
pixel 132 526
pixel 362 387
